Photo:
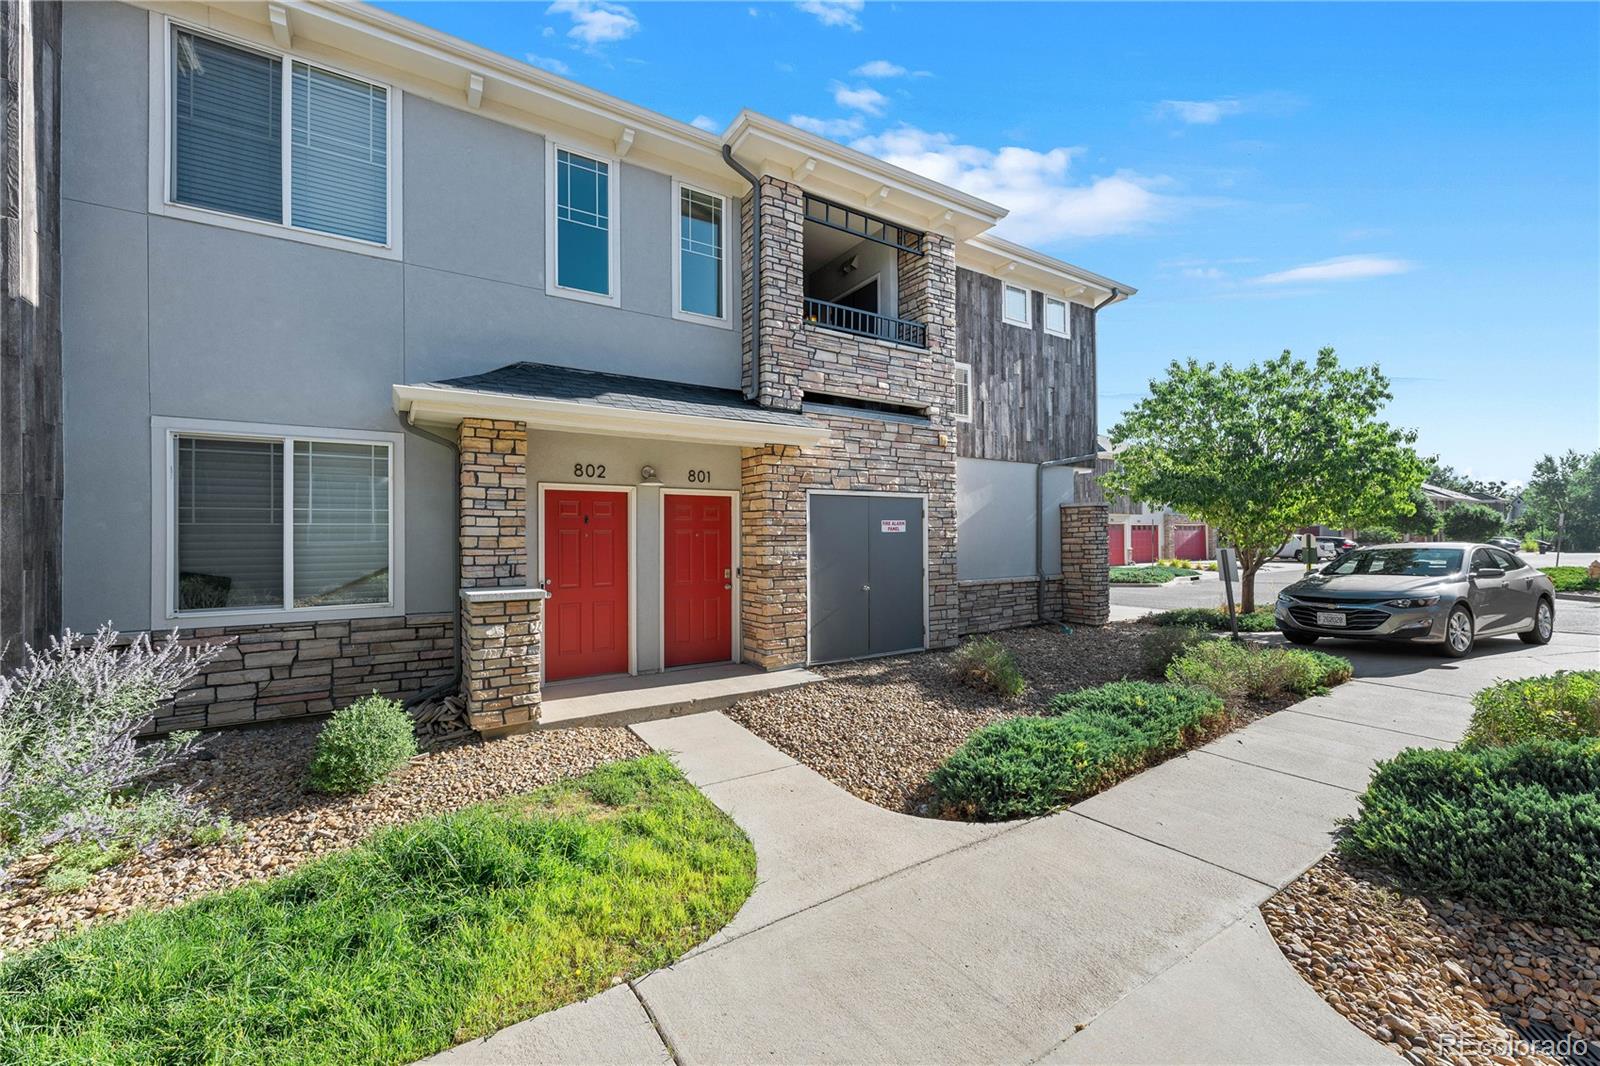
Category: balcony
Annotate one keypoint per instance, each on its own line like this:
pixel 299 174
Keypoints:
pixel 865 323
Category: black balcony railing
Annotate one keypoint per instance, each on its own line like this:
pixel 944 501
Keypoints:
pixel 865 323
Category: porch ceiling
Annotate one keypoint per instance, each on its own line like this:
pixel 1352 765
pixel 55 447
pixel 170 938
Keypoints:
pixel 586 401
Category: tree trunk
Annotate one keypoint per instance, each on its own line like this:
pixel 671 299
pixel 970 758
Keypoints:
pixel 1248 565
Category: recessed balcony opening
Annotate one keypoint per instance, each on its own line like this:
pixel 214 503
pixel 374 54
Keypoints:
pixel 853 266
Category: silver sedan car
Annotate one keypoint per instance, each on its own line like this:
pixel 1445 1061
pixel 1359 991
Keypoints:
pixel 1445 595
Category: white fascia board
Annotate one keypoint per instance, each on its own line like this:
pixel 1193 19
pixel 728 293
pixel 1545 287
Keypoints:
pixel 425 404
pixel 993 255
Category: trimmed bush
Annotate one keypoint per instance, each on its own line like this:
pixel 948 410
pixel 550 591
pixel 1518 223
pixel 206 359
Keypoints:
pixel 1233 670
pixel 1561 706
pixel 1032 765
pixel 1516 827
pixel 1147 575
pixel 1160 646
pixel 361 745
pixel 1571 578
pixel 1259 620
pixel 986 664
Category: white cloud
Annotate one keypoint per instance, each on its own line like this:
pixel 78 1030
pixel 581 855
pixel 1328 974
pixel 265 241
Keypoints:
pixel 1339 268
pixel 1046 204
pixel 837 128
pixel 834 12
pixel 1200 112
pixel 550 63
pixel 883 68
pixel 596 22
pixel 707 123
pixel 865 99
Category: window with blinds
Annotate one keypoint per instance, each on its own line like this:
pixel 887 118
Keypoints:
pixel 963 404
pixel 230 151
pixel 236 549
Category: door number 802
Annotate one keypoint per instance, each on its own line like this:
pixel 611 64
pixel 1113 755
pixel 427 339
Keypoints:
pixel 588 470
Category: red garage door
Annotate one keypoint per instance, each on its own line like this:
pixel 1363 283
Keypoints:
pixel 1118 549
pixel 1144 540
pixel 1189 542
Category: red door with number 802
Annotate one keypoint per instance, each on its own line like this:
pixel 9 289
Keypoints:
pixel 586 572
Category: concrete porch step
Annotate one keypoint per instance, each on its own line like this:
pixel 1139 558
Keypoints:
pixel 691 690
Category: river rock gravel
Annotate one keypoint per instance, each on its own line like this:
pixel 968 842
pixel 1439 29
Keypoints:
pixel 1437 980
pixel 255 778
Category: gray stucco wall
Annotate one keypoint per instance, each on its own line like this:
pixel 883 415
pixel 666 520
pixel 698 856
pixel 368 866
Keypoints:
pixel 169 317
pixel 995 514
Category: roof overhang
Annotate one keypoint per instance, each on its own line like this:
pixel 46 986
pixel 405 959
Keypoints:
pixel 856 179
pixel 1000 258
pixel 433 405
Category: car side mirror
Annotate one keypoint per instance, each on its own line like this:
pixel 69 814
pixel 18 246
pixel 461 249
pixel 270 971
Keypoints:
pixel 1489 571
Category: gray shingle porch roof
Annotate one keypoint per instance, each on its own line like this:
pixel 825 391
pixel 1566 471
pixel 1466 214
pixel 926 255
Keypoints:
pixel 567 393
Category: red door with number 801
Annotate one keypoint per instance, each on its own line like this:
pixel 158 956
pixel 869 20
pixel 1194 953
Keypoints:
pixel 697 578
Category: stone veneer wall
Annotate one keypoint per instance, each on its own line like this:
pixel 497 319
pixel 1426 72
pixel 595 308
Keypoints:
pixel 501 652
pixel 1007 603
pixel 271 672
pixel 1085 572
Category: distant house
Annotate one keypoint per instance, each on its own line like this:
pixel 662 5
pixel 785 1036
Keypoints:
pixel 1444 499
pixel 1138 532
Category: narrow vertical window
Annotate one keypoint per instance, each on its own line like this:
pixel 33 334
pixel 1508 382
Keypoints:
pixel 700 253
pixel 230 524
pixel 339 160
pixel 963 404
pixel 1015 308
pixel 1055 316
pixel 583 223
pixel 227 129
pixel 341 523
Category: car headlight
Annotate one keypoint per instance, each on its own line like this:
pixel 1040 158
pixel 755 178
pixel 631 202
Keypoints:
pixel 1414 601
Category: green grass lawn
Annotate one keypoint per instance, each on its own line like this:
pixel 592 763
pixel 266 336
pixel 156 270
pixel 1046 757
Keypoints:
pixel 1147 575
pixel 1571 578
pixel 427 935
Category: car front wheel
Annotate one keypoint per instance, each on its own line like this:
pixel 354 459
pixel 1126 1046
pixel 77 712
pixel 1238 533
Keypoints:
pixel 1295 636
pixel 1457 633
pixel 1544 624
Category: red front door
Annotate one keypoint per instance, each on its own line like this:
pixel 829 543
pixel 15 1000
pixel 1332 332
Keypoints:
pixel 586 571
pixel 1144 543
pixel 698 579
pixel 1115 550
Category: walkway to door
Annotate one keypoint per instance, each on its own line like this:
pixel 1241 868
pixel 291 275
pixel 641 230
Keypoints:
pixel 627 700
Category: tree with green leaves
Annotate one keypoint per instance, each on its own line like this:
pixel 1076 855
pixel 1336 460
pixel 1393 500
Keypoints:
pixel 1472 521
pixel 1262 450
pixel 1424 519
pixel 1567 485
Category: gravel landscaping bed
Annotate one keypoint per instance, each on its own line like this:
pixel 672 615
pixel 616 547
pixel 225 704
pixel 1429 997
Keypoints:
pixel 878 728
pixel 1437 980
pixel 255 778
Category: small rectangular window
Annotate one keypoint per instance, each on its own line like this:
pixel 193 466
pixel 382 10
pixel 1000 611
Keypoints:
pixel 227 129
pixel 963 405
pixel 1016 308
pixel 341 523
pixel 700 238
pixel 230 524
pixel 583 223
pixel 339 177
pixel 1055 316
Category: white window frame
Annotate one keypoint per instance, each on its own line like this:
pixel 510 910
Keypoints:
pixel 1027 305
pixel 725 320
pixel 551 230
pixel 161 87
pixel 964 370
pixel 1066 316
pixel 164 540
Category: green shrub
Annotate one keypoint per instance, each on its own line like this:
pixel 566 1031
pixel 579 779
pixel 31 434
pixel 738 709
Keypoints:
pixel 985 663
pixel 1260 620
pixel 1232 670
pixel 1516 827
pixel 1379 535
pixel 1160 646
pixel 1571 578
pixel 1148 575
pixel 1561 706
pixel 1529 544
pixel 361 745
pixel 1093 737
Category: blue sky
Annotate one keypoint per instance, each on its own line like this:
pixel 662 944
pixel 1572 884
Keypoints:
pixel 1417 185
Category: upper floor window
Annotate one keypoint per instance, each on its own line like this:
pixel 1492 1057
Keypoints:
pixel 963 404
pixel 1055 317
pixel 1015 306
pixel 583 246
pixel 700 270
pixel 327 173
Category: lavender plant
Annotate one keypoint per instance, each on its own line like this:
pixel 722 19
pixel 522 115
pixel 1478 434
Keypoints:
pixel 71 769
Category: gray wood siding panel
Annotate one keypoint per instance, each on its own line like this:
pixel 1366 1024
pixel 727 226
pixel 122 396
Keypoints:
pixel 1033 395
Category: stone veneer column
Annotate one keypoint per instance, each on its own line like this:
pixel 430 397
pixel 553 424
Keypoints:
pixel 1085 572
pixel 501 617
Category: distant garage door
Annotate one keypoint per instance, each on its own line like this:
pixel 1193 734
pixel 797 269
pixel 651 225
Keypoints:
pixel 1189 542
pixel 1143 543
pixel 866 588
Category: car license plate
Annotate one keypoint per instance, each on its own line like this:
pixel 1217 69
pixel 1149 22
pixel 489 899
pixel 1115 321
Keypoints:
pixel 1330 618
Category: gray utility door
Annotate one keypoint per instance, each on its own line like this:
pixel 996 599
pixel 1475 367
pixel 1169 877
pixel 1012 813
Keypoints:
pixel 866 576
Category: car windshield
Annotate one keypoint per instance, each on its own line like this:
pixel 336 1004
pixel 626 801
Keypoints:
pixel 1401 562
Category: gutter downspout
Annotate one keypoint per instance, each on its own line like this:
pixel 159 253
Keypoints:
pixel 755 269
pixel 1038 492
pixel 454 684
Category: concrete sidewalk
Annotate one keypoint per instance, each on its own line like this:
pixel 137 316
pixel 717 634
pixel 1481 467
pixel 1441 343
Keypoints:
pixel 1124 929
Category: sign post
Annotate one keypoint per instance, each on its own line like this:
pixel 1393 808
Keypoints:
pixel 1228 567
pixel 1561 529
